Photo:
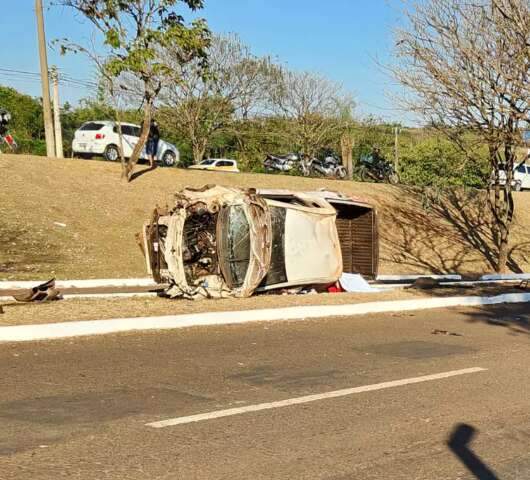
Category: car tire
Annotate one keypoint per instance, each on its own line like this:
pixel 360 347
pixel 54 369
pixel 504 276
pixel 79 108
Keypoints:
pixel 112 153
pixel 169 159
pixel 518 186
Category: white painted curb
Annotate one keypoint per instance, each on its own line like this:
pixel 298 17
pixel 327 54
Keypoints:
pixel 94 283
pixel 26 333
pixel 506 276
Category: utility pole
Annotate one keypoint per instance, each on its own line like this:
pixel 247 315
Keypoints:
pixel 46 104
pixel 57 115
pixel 397 130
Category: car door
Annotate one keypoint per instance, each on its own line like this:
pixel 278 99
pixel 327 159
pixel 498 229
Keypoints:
pixel 526 180
pixel 131 136
pixel 128 140
pixel 225 166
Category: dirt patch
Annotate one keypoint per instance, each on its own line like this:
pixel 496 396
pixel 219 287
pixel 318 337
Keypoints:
pixel 81 219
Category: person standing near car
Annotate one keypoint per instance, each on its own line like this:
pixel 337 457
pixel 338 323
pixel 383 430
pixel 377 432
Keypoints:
pixel 152 142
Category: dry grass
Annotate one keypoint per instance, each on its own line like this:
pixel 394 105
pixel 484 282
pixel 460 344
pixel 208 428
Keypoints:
pixel 102 214
pixel 103 308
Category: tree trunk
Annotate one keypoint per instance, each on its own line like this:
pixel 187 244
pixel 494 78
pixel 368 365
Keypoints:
pixel 503 209
pixel 120 140
pixel 346 144
pixel 503 251
pixel 198 148
pixel 141 141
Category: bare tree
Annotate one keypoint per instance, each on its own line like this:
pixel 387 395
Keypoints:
pixel 200 105
pixel 467 67
pixel 314 105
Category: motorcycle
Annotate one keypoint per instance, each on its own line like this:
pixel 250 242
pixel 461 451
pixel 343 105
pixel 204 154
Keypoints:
pixel 330 166
pixel 5 137
pixel 378 169
pixel 281 163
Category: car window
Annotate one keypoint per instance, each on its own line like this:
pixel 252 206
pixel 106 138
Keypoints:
pixel 528 169
pixel 126 130
pixel 238 246
pixel 91 127
pixel 136 131
pixel 521 168
pixel 207 162
pixel 225 163
pixel 277 272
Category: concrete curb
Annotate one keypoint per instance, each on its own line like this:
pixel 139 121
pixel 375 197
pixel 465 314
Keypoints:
pixel 397 278
pixel 28 333
pixel 507 276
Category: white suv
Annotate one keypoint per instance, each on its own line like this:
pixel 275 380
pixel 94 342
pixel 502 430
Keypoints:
pixel 101 138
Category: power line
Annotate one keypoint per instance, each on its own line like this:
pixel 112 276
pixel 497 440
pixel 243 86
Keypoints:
pixel 21 74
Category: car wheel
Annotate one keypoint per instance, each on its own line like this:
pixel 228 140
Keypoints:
pixel 112 153
pixel 518 186
pixel 169 159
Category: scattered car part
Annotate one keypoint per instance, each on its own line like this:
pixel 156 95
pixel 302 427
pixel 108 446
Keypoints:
pixel 41 293
pixel 445 332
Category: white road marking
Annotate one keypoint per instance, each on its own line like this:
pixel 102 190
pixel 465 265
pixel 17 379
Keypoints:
pixel 310 398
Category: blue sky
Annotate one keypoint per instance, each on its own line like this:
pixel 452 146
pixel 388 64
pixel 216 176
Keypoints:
pixel 342 39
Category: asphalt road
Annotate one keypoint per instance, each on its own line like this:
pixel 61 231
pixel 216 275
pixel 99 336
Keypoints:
pixel 79 408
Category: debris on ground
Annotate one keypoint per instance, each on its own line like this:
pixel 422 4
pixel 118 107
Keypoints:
pixel 424 283
pixel 44 292
pixel 445 332
pixel 355 283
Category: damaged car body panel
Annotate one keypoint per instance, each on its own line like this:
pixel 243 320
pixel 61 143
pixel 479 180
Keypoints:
pixel 221 242
pixel 215 242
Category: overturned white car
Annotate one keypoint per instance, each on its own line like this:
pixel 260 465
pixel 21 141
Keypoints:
pixel 224 242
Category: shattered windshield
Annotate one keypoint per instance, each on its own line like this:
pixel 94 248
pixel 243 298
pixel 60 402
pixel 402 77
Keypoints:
pixel 237 243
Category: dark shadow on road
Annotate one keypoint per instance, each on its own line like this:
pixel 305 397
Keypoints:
pixel 459 443
pixel 514 317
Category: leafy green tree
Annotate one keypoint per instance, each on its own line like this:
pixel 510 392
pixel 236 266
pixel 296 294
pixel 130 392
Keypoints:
pixel 133 32
pixel 27 124
pixel 438 162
